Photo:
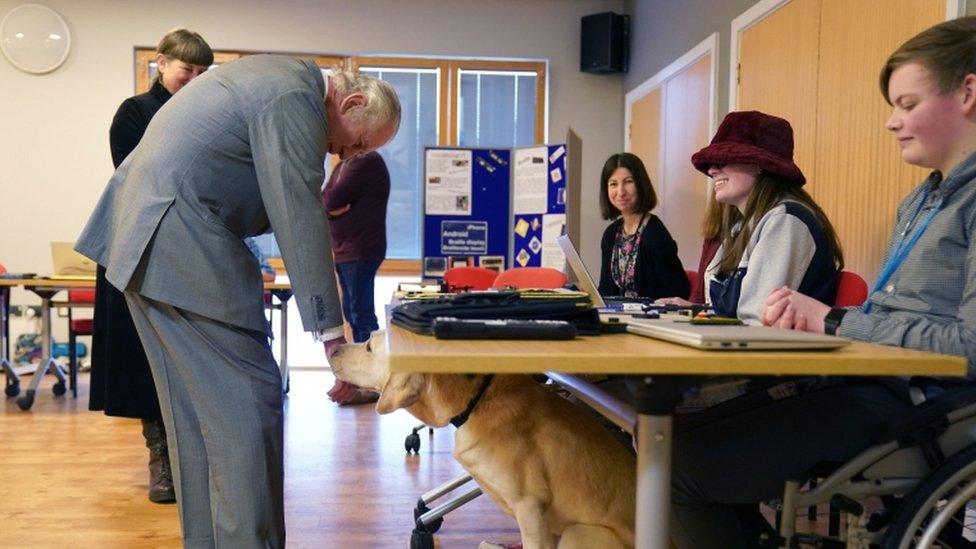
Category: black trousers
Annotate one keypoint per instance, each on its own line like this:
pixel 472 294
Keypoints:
pixel 726 463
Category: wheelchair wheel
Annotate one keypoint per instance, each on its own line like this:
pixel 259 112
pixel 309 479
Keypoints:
pixel 942 508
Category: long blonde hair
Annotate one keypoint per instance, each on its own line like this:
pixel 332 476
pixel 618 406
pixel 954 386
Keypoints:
pixel 769 191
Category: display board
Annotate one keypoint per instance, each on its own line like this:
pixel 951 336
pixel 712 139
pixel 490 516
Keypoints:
pixel 538 206
pixel 493 208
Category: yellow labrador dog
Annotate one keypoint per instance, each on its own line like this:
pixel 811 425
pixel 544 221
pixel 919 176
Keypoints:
pixel 566 481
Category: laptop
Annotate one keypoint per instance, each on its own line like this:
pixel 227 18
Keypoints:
pixel 69 264
pixel 586 284
pixel 730 338
pixel 583 277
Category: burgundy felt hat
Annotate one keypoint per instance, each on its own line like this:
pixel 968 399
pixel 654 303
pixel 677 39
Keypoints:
pixel 752 137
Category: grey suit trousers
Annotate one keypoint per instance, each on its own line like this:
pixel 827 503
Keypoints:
pixel 221 399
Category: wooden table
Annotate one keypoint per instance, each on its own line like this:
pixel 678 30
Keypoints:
pixel 47 288
pixel 656 363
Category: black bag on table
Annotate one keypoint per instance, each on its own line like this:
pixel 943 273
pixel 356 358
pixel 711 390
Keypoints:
pixel 417 316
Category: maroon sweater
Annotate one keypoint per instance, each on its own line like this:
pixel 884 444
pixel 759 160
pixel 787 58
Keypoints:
pixel 364 183
pixel 709 247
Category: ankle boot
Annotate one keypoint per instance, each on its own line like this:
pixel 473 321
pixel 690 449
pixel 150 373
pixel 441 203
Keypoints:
pixel 160 475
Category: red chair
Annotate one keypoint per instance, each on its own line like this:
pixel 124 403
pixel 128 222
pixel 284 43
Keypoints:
pixel 692 278
pixel 469 278
pixel 77 327
pixel 852 291
pixel 530 277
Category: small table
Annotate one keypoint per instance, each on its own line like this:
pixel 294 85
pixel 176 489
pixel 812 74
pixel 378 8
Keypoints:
pixel 47 288
pixel 660 366
pixel 280 289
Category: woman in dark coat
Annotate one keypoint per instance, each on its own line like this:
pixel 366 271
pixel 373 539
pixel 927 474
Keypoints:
pixel 121 382
pixel 639 257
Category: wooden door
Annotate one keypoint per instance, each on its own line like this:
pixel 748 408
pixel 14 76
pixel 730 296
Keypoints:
pixel 861 178
pixel 646 118
pixel 777 73
pixel 816 63
pixel 683 190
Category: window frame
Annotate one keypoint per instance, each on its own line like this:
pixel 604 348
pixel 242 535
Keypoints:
pixel 449 80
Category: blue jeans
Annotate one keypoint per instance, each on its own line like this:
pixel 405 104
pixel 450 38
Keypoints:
pixel 356 281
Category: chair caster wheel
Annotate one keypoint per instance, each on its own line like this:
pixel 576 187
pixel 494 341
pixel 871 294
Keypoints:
pixel 422 508
pixel 25 402
pixel 412 443
pixel 12 390
pixel 59 389
pixel 421 540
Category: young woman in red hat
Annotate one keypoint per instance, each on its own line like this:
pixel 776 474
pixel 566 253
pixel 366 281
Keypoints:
pixel 772 222
pixel 925 298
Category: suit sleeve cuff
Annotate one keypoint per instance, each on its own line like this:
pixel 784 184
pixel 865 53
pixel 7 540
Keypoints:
pixel 329 333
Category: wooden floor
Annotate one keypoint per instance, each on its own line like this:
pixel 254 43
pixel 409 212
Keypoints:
pixel 74 478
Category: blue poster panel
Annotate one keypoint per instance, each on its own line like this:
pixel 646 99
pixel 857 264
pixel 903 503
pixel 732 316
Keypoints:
pixel 539 205
pixel 466 209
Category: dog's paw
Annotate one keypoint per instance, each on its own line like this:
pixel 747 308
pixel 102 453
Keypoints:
pixel 493 545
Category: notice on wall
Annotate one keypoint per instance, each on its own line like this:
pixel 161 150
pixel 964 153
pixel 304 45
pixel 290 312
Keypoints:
pixel 553 226
pixel 448 184
pixel 464 237
pixel 530 174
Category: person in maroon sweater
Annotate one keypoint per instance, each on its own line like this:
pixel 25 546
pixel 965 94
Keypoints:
pixel 355 198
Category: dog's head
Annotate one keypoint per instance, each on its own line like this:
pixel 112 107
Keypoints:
pixel 433 399
pixel 367 365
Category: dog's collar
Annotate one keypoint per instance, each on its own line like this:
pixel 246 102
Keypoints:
pixel 461 418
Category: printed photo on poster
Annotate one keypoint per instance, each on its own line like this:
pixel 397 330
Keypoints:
pixel 435 266
pixel 557 154
pixel 530 173
pixel 448 182
pixel 493 262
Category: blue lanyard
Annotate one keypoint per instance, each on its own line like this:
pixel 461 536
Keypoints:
pixel 901 249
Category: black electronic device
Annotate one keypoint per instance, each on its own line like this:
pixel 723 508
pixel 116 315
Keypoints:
pixel 471 328
pixel 605 43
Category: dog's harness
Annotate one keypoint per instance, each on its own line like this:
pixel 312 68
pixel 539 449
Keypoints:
pixel 461 418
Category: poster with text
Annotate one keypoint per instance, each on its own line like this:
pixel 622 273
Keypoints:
pixel 448 184
pixel 553 225
pixel 530 175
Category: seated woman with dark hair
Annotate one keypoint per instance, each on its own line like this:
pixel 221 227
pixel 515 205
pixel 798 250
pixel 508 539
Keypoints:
pixel 639 257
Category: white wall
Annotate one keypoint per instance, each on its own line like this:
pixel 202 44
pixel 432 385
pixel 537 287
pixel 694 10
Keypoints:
pixel 54 156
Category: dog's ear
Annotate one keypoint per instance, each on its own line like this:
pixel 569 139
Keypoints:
pixel 401 390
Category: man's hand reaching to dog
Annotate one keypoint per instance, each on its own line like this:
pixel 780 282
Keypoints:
pixel 332 345
pixel 346 393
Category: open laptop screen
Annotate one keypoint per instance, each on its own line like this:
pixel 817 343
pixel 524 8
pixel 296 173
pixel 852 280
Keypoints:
pixel 583 277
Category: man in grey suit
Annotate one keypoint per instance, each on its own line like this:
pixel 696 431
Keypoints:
pixel 238 152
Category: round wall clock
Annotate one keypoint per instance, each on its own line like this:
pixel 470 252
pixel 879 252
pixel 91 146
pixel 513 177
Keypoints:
pixel 34 38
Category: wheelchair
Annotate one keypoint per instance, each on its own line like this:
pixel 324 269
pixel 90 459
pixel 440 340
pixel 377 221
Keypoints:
pixel 924 473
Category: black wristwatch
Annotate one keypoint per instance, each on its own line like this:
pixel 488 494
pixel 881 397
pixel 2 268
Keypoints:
pixel 832 320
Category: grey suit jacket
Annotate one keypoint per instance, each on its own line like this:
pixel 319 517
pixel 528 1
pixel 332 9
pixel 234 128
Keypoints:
pixel 238 151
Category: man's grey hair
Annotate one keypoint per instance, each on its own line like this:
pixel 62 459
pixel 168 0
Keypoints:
pixel 382 103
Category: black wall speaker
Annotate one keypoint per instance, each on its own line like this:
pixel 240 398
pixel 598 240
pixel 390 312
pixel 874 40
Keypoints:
pixel 604 43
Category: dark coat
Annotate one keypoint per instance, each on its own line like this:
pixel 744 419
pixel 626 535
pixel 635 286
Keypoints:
pixel 121 382
pixel 659 271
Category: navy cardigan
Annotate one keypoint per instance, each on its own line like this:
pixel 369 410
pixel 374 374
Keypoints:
pixel 659 271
